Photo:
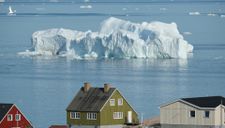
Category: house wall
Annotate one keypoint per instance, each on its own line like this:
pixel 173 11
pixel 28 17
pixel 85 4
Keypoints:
pixel 188 126
pixel 178 113
pixel 23 123
pixel 107 112
pixel 220 116
pixel 92 126
pixel 83 119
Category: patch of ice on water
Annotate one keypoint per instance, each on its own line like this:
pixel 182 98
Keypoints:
pixel 194 13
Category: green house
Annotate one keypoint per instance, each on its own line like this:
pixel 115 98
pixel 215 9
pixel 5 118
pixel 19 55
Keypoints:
pixel 100 108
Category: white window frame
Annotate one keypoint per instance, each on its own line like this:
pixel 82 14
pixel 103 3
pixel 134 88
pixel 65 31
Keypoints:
pixel 205 114
pixel 18 117
pixel 9 117
pixel 120 101
pixel 112 102
pixel 74 115
pixel 190 113
pixel 117 115
pixel 91 116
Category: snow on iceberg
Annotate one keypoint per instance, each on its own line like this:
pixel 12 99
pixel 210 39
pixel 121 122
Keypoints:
pixel 116 39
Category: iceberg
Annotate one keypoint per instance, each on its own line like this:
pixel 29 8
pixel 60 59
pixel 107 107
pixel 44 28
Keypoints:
pixel 194 13
pixel 116 38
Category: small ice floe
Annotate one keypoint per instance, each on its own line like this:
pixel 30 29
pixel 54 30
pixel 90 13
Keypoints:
pixel 194 13
pixel 40 9
pixel 222 16
pixel 212 14
pixel 187 33
pixel 218 58
pixel 86 6
pixel 11 11
pixel 163 9
pixel 124 9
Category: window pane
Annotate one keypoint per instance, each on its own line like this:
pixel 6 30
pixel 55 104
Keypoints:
pixel 10 117
pixel 192 113
pixel 112 102
pixel 207 114
pixel 120 101
pixel 18 117
pixel 91 116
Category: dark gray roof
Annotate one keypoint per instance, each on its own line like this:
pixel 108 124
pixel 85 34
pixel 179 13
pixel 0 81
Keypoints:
pixel 210 101
pixel 92 101
pixel 4 108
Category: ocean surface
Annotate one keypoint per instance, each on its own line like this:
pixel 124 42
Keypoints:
pixel 42 87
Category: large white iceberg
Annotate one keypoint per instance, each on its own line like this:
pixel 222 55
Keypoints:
pixel 116 39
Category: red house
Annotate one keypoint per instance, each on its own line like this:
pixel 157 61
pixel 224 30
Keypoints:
pixel 12 117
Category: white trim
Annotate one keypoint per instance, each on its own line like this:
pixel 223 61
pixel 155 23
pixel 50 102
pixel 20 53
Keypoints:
pixel 222 106
pixel 19 117
pixel 117 115
pixel 24 116
pixel 127 102
pixel 76 115
pixel 122 97
pixel 112 102
pixel 120 101
pixel 11 117
pixel 107 100
pixel 6 113
pixel 190 104
pixel 201 108
pixel 169 103
pixel 92 116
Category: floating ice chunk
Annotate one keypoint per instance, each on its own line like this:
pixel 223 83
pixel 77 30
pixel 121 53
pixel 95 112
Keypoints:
pixel 116 39
pixel 124 9
pixel 163 9
pixel 187 33
pixel 212 14
pixel 86 6
pixel 194 13
pixel 222 16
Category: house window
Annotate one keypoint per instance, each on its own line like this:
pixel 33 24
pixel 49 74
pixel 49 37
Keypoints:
pixel 206 114
pixel 192 113
pixel 9 117
pixel 74 115
pixel 18 117
pixel 91 116
pixel 112 102
pixel 117 115
pixel 120 101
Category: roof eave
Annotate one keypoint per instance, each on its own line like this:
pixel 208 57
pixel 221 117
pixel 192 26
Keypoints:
pixel 190 104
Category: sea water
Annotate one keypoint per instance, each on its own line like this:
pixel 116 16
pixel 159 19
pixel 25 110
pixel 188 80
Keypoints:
pixel 42 87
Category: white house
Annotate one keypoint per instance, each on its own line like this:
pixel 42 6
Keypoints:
pixel 197 112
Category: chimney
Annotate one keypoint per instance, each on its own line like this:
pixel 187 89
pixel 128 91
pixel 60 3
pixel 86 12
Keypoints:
pixel 86 87
pixel 106 88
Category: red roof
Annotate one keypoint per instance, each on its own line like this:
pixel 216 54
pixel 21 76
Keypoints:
pixel 58 126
